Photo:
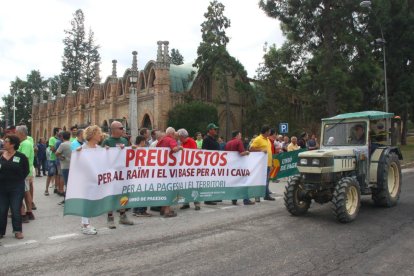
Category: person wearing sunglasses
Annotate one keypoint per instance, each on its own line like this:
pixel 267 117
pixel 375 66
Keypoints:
pixel 117 140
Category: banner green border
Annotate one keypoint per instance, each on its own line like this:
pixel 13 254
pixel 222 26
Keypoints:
pixel 93 208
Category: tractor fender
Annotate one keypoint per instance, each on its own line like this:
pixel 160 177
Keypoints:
pixel 378 160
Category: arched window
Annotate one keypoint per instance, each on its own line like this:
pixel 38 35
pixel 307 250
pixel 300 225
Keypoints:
pixel 146 122
pixel 142 81
pixel 120 88
pixel 151 78
pixel 104 126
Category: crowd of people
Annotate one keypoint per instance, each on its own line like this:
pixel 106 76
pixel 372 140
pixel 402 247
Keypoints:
pixel 20 157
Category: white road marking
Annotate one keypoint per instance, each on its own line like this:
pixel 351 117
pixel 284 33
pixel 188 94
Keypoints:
pixel 227 207
pixel 63 236
pixel 20 243
pixel 207 210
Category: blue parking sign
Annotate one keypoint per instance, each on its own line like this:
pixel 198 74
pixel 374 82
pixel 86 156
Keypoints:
pixel 283 128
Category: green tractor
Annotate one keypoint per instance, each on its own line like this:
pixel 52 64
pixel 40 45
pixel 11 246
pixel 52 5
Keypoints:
pixel 355 158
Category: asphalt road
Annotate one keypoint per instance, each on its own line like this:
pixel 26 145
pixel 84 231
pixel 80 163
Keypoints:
pixel 263 239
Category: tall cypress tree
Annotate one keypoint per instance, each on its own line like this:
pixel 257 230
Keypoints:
pixel 91 57
pixel 213 61
pixel 176 57
pixel 79 54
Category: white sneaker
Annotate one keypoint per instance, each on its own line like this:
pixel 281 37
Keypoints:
pixel 89 230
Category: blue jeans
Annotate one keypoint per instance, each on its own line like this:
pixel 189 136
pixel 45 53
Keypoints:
pixel 52 169
pixel 65 174
pixel 42 166
pixel 11 197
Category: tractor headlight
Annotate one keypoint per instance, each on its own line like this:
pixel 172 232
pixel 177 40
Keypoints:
pixel 303 161
pixel 315 162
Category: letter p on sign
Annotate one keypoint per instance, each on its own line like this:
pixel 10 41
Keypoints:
pixel 283 128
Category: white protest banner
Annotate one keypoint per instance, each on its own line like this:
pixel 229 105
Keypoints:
pixel 102 180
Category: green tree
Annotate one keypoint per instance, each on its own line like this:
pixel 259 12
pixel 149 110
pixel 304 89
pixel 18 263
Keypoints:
pixel 335 63
pixel 23 91
pixel 277 86
pixel 325 35
pixel 79 54
pixel 91 57
pixel 7 110
pixel 393 20
pixel 213 60
pixel 193 116
pixel 176 57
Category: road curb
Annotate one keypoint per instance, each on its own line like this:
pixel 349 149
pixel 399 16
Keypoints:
pixel 407 165
pixel 407 170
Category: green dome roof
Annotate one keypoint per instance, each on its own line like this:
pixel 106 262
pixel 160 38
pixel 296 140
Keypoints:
pixel 180 77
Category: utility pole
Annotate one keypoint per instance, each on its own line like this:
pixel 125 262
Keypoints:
pixel 14 109
pixel 133 97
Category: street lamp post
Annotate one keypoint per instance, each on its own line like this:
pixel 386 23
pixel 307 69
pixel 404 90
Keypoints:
pixel 380 41
pixel 133 112
pixel 14 109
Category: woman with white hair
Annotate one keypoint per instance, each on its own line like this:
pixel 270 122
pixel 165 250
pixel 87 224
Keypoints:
pixel 168 141
pixel 187 143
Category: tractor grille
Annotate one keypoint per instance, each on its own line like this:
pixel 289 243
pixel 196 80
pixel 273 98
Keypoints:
pixel 312 178
pixel 317 178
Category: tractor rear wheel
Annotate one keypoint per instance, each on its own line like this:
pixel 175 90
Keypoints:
pixel 389 182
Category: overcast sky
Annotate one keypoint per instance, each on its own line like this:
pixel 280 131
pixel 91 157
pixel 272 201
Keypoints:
pixel 31 32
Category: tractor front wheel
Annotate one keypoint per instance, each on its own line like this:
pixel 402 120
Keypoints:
pixel 296 201
pixel 346 200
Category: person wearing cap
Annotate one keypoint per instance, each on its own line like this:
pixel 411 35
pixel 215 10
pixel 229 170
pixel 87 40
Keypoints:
pixel 210 143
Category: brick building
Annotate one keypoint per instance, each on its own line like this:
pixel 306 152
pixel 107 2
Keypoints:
pixel 160 87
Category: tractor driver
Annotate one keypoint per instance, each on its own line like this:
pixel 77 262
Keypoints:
pixel 358 135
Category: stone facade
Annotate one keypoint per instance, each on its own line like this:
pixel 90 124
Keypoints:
pixel 159 89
